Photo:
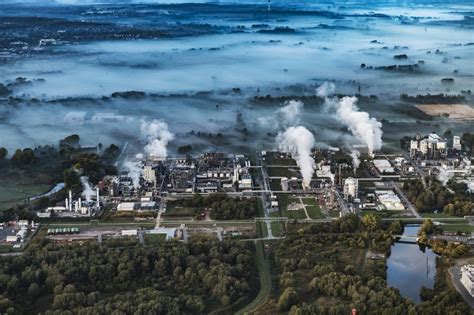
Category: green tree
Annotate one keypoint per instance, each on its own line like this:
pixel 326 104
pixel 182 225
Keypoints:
pixel 3 153
pixel 287 299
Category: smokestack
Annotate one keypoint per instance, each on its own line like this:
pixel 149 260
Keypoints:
pixel 70 200
pixel 66 204
pixel 80 203
pixel 98 197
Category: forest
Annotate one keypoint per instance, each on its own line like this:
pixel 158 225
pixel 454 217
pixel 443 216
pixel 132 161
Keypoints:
pixel 222 206
pixel 322 269
pixel 123 277
pixel 452 200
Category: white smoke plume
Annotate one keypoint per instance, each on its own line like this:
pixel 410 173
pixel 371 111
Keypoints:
pixel 134 168
pixel 157 135
pixel 361 125
pixel 290 114
pixel 299 141
pixel 287 115
pixel 444 176
pixel 325 89
pixel 88 192
pixel 355 155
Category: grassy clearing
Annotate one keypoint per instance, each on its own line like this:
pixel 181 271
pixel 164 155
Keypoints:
pixel 283 172
pixel 314 212
pixel 151 239
pixel 464 228
pixel 309 201
pixel 296 214
pixel 12 193
pixel 262 230
pixel 279 161
pixel 277 228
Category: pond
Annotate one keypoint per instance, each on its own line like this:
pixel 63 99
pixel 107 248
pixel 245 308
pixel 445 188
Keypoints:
pixel 409 268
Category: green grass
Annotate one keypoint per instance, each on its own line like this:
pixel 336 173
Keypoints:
pixel 296 214
pixel 309 201
pixel 12 193
pixel 278 161
pixel 314 212
pixel 284 201
pixel 277 228
pixel 465 228
pixel 262 230
pixel 283 172
pixel 151 239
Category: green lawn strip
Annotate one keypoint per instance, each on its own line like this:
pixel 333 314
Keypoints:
pixel 277 228
pixel 309 201
pixel 151 239
pixel 314 212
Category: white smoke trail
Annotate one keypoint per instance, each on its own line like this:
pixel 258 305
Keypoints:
pixel 444 176
pixel 355 155
pixel 325 89
pixel 299 141
pixel 361 125
pixel 134 168
pixel 157 135
pixel 287 115
pixel 88 192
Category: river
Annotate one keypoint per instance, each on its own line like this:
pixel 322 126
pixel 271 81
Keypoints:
pixel 409 268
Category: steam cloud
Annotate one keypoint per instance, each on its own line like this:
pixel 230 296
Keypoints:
pixel 157 135
pixel 88 192
pixel 134 169
pixel 286 116
pixel 444 176
pixel 299 141
pixel 361 125
pixel 325 89
pixel 355 155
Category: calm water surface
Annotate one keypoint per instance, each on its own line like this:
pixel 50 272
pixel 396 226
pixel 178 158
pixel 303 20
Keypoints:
pixel 409 268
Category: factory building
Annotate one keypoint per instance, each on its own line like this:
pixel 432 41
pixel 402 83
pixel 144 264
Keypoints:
pixel 351 189
pixel 467 278
pixel 432 147
pixel 149 174
pixel 457 143
pixel 389 200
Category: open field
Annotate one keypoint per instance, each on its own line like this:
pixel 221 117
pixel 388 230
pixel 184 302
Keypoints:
pixel 153 239
pixel 277 228
pixel 466 228
pixel 314 212
pixel 11 193
pixel 455 111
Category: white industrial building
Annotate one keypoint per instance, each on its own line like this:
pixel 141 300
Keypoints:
pixel 467 278
pixel 351 189
pixel 430 146
pixel 383 166
pixel 389 200
pixel 457 143
pixel 149 174
pixel 126 206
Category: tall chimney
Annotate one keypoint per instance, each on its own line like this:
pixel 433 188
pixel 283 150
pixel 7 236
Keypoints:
pixel 70 200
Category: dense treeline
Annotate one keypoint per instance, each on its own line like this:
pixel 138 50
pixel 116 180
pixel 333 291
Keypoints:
pixel 222 206
pixel 323 270
pixel 439 246
pixel 438 197
pixel 173 278
pixel 50 165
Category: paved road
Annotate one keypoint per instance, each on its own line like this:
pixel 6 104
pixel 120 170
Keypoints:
pixel 455 273
pixel 405 199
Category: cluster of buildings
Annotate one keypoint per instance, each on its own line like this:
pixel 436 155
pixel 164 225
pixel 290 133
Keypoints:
pixel 74 207
pixel 16 233
pixel 433 146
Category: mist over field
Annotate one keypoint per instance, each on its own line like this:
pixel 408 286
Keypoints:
pixel 219 73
